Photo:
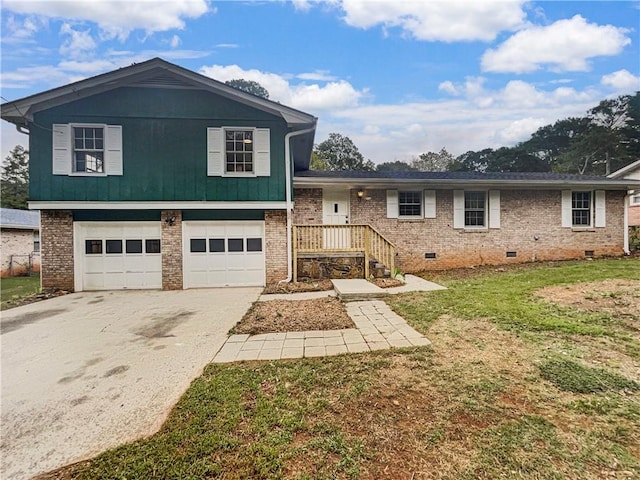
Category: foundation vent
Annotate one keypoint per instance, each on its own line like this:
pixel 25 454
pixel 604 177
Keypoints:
pixel 589 253
pixel 430 256
pixel 512 254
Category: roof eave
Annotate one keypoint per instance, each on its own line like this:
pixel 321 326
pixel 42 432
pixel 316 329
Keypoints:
pixel 23 109
pixel 607 184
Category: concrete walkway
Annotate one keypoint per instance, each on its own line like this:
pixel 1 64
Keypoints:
pixel 378 327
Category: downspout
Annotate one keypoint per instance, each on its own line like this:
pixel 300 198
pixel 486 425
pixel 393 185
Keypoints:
pixel 625 245
pixel 289 203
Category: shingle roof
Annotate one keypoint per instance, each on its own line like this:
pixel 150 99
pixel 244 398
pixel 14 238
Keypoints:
pixel 26 219
pixel 461 179
pixel 451 175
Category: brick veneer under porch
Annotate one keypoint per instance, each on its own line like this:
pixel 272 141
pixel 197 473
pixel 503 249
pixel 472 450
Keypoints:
pixel 56 245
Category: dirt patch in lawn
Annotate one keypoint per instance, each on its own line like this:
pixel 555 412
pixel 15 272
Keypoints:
pixel 299 287
pixel 294 316
pixel 618 298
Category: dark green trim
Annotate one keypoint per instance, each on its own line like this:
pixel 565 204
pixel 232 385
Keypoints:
pixel 223 215
pixel 116 215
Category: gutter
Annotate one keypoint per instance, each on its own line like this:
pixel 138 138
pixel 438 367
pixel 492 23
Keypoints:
pixel 289 203
pixel 625 244
pixel 354 182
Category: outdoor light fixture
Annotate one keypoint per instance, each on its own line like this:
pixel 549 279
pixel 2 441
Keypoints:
pixel 360 194
pixel 170 221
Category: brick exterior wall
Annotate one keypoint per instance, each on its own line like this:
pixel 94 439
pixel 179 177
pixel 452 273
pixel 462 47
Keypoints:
pixel 634 215
pixel 525 216
pixel 307 206
pixel 171 241
pixel 56 249
pixel 275 245
pixel 19 244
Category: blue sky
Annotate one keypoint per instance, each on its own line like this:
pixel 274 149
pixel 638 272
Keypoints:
pixel 398 77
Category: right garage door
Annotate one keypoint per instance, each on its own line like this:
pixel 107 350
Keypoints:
pixel 223 254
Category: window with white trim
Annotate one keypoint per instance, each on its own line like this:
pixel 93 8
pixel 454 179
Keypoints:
pixel 36 241
pixel 409 204
pixel 238 151
pixel 581 209
pixel 475 209
pixel 88 149
pixel 635 199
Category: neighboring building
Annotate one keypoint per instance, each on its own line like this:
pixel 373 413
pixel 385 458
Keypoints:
pixel 20 239
pixel 153 176
pixel 631 172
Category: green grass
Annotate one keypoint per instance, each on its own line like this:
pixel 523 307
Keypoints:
pixel 503 392
pixel 573 377
pixel 12 289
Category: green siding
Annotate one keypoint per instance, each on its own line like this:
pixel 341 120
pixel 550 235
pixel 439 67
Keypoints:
pixel 222 215
pixel 164 134
pixel 116 215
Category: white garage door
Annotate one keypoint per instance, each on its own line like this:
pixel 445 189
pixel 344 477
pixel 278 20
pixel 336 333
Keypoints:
pixel 117 255
pixel 221 254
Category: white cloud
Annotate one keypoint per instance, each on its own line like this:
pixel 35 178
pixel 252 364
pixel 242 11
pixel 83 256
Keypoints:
pixel 454 20
pixel 116 19
pixel 448 87
pixel 317 75
pixel 18 30
pixel 175 41
pixel 519 130
pixel 77 44
pixel 622 81
pixel 566 45
pixel 304 96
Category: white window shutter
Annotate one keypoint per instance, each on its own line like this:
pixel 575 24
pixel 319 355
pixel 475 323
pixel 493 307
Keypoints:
pixel 601 209
pixel 61 149
pixel 113 150
pixel 566 209
pixel 215 152
pixel 458 209
pixel 494 208
pixel 262 152
pixel 429 204
pixel 392 204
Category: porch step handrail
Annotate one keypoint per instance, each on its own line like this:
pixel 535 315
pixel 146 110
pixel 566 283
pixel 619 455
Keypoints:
pixel 361 238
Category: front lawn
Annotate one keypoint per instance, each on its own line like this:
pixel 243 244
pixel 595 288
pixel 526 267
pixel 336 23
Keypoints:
pixel 519 382
pixel 14 288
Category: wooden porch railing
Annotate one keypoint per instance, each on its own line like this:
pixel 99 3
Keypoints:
pixel 343 238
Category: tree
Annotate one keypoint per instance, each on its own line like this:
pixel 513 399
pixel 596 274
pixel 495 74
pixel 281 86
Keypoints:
pixel 14 181
pixel 317 163
pixel 433 162
pixel 340 153
pixel 248 86
pixel 472 161
pixel 397 166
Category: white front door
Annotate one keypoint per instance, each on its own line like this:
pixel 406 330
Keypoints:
pixel 335 207
pixel 335 211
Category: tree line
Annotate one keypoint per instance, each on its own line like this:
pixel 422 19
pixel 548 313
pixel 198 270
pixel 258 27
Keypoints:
pixel 606 139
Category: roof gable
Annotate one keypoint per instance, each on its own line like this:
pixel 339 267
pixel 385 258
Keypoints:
pixel 152 73
pixel 631 171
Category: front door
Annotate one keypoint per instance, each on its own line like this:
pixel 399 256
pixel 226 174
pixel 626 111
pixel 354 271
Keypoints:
pixel 335 211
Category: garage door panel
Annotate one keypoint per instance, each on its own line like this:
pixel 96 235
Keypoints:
pixel 226 261
pixel 121 260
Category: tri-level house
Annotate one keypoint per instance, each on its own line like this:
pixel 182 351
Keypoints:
pixel 153 176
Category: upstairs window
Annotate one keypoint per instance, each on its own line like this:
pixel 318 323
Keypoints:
pixel 475 209
pixel 635 200
pixel 88 149
pixel 239 151
pixel 580 209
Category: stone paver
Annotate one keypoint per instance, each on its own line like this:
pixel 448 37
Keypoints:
pixel 378 328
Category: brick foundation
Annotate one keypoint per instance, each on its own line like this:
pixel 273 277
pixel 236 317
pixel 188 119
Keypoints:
pixel 171 250
pixel 530 226
pixel 275 245
pixel 56 249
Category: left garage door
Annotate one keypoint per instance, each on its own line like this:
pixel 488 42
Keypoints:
pixel 117 255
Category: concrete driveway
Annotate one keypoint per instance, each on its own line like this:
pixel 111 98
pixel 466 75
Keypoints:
pixel 88 371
